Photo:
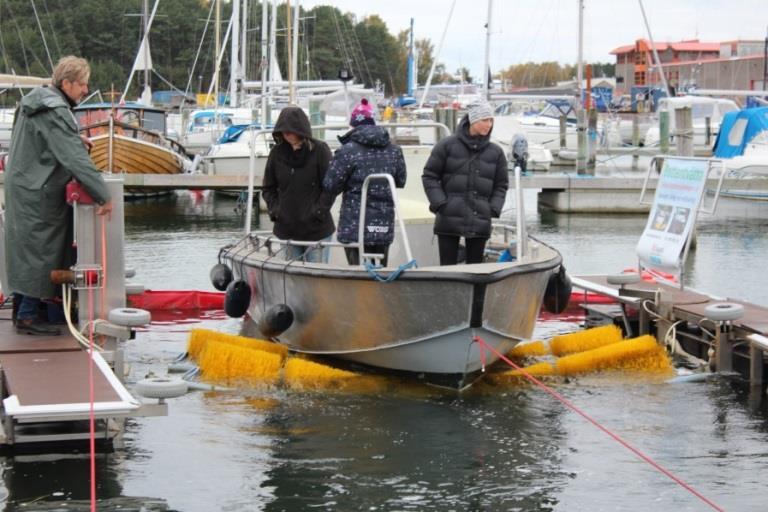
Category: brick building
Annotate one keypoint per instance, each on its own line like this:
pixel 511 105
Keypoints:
pixel 734 65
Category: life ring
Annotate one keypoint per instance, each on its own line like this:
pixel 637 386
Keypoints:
pixel 724 311
pixel 129 317
pixel 134 289
pixel 625 278
pixel 161 387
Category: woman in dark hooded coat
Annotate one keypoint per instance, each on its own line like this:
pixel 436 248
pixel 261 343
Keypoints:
pixel 293 191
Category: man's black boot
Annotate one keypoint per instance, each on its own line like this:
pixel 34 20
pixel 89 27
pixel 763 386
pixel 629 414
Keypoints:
pixel 36 329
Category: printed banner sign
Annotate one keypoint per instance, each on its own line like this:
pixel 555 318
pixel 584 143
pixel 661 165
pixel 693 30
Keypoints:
pixel 673 214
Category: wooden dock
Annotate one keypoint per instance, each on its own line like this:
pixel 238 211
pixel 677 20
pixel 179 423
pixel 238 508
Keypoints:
pixel 738 345
pixel 45 391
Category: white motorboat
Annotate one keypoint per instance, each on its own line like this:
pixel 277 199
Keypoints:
pixel 702 108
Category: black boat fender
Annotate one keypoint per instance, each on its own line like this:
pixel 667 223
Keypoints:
pixel 276 320
pixel 221 276
pixel 237 298
pixel 558 292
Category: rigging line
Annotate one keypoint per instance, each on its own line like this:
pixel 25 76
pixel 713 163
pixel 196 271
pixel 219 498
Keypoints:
pixel 570 405
pixel 161 77
pixel 42 34
pixel 21 40
pixel 53 30
pixel 346 59
pixel 199 48
pixel 358 51
pixel 2 47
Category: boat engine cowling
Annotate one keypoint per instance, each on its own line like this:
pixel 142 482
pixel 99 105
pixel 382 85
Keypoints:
pixel 276 320
pixel 558 292
pixel 221 276
pixel 237 298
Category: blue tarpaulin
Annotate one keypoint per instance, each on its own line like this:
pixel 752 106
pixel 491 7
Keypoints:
pixel 737 129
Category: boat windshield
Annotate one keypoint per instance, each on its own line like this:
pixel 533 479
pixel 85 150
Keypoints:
pixel 154 121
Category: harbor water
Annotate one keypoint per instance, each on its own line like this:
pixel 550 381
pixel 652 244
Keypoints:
pixel 512 448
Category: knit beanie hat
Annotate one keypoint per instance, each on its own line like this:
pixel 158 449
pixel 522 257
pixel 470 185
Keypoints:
pixel 361 114
pixel 479 111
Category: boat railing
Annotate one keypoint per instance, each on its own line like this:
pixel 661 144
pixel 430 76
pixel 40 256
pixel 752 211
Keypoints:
pixel 361 226
pixel 441 130
pixel 268 240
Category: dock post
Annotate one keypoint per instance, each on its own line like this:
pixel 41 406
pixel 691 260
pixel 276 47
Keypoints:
pixel 635 140
pixel 723 348
pixel 184 125
pixel 664 132
pixel 707 131
pixel 581 138
pixel 563 125
pixel 684 131
pixel 591 141
pixel 756 372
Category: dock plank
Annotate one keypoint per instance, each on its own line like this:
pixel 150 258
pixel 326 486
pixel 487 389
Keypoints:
pixel 11 342
pixel 46 378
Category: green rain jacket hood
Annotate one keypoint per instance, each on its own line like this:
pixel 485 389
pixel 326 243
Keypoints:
pixel 46 152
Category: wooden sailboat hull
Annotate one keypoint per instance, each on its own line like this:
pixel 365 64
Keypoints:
pixel 134 156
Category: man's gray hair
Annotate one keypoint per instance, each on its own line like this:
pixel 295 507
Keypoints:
pixel 74 69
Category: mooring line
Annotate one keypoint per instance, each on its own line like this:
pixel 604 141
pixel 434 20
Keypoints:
pixel 485 346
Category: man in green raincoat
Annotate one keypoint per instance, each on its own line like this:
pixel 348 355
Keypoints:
pixel 46 152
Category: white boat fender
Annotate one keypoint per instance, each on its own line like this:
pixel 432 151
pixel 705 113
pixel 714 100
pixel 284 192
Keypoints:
pixel 129 317
pixel 221 276
pixel 237 298
pixel 129 272
pixel 161 387
pixel 134 289
pixel 558 292
pixel 724 311
pixel 276 320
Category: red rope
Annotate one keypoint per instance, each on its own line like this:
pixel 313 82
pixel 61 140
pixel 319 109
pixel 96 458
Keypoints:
pixel 91 415
pixel 571 406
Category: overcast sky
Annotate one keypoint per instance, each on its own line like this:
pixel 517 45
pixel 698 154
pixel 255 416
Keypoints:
pixel 546 30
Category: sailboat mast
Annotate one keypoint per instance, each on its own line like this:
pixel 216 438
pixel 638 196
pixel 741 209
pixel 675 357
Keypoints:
pixel 657 61
pixel 145 23
pixel 410 88
pixel 244 40
pixel 234 72
pixel 289 51
pixel 580 57
pixel 295 48
pixel 217 31
pixel 264 62
pixel 487 66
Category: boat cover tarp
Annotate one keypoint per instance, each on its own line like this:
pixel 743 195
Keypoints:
pixel 737 129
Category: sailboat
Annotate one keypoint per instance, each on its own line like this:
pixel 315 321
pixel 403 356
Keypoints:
pixel 131 137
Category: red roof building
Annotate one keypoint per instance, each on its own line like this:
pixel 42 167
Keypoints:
pixel 724 65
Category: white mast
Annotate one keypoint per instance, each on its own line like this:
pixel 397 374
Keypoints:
pixel 143 57
pixel 264 62
pixel 234 72
pixel 295 49
pixel 580 58
pixel 486 67
pixel 244 40
pixel 655 53
pixel 217 31
pixel 274 69
pixel 437 55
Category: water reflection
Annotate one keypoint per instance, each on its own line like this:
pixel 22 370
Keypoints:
pixel 391 453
